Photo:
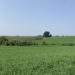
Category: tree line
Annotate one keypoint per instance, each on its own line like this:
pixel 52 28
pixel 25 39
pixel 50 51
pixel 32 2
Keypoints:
pixel 6 42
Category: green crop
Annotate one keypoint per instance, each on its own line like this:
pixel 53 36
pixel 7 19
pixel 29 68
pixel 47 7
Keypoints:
pixel 37 60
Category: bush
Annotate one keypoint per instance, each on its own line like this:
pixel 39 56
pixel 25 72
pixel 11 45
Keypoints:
pixel 71 44
pixel 47 34
pixel 44 43
pixel 68 44
pixel 3 40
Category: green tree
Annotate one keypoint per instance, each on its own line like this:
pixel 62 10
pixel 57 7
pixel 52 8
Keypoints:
pixel 47 34
pixel 3 40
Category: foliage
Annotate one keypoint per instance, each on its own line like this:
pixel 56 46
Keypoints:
pixel 38 40
pixel 47 34
pixel 6 42
pixel 44 43
pixel 37 60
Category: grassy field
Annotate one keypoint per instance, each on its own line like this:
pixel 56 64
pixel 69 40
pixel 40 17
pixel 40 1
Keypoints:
pixel 50 40
pixel 37 60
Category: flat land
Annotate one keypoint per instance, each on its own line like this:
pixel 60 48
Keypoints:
pixel 37 60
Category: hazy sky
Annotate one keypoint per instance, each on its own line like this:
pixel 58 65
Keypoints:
pixel 33 17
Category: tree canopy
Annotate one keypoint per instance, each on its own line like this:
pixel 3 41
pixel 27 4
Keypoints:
pixel 47 34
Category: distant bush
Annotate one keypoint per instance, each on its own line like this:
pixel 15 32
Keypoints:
pixel 47 34
pixel 68 44
pixel 44 43
pixel 3 40
pixel 71 44
pixel 34 43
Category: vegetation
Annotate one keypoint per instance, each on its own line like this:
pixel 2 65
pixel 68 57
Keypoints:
pixel 37 55
pixel 38 40
pixel 47 34
pixel 37 60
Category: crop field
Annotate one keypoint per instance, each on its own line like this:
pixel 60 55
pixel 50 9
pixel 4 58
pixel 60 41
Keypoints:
pixel 51 40
pixel 37 60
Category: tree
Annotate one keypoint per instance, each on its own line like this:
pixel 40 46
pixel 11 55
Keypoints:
pixel 47 34
pixel 3 40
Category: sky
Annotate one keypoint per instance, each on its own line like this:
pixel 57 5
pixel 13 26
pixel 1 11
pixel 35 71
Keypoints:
pixel 33 17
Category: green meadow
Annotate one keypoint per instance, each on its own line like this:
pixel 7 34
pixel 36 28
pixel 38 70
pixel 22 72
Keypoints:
pixel 52 58
pixel 58 40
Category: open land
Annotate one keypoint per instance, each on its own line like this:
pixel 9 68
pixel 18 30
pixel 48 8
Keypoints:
pixel 52 56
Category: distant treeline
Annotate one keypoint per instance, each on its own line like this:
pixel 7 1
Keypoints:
pixel 4 41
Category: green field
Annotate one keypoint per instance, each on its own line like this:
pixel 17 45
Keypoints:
pixel 50 40
pixel 49 56
pixel 37 60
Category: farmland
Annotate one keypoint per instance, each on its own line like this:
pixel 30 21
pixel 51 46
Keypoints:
pixel 39 59
pixel 55 40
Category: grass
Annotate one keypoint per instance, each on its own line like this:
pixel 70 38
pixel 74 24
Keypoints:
pixel 58 40
pixel 55 57
pixel 51 40
pixel 37 60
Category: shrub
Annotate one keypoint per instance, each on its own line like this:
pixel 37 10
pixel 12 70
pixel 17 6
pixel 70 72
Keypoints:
pixel 47 34
pixel 3 39
pixel 68 44
pixel 44 43
pixel 35 43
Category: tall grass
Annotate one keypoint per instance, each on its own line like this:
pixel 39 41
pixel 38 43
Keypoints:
pixel 41 60
pixel 39 40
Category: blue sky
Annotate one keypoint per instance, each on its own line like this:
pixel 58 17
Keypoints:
pixel 33 17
